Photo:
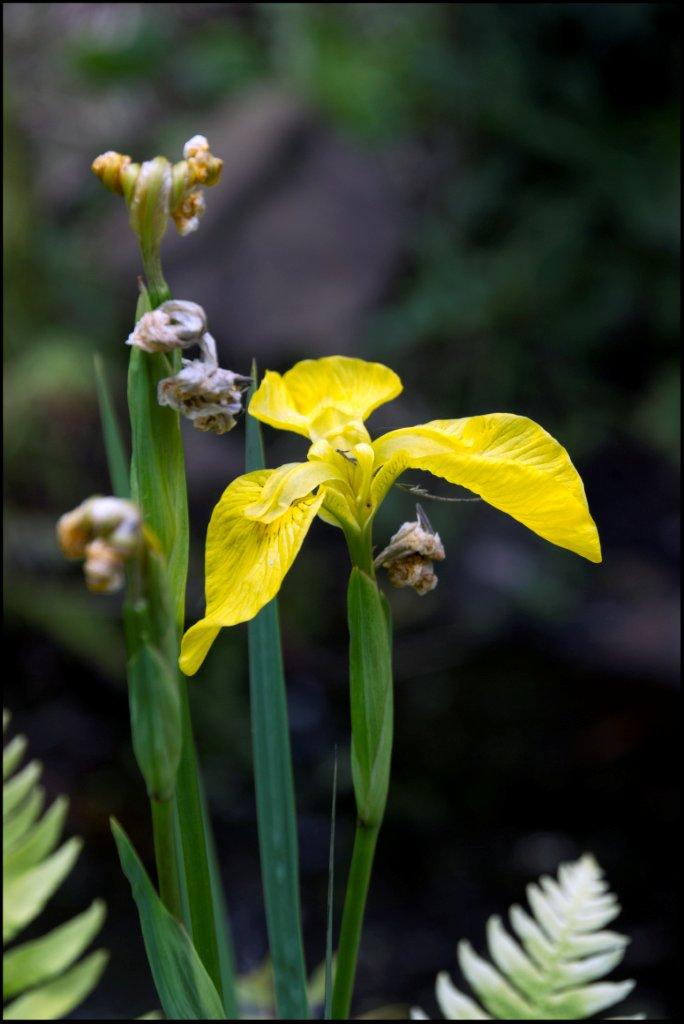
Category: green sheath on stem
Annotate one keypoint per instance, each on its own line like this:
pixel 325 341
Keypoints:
pixel 370 683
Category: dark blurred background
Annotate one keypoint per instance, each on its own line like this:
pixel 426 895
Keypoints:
pixel 485 197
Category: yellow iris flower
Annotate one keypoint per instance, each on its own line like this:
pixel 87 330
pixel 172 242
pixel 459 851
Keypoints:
pixel 262 518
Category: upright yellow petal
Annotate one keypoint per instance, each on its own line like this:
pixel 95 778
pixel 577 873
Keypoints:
pixel 318 396
pixel 510 461
pixel 246 561
pixel 287 484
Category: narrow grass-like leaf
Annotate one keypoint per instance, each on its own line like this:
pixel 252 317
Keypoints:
pixel 26 895
pixel 329 911
pixel 185 990
pixel 274 785
pixel 36 961
pixel 117 459
pixel 223 934
pixel 58 997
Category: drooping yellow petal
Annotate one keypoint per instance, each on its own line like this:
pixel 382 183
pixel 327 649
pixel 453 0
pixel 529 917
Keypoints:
pixel 510 461
pixel 287 484
pixel 318 396
pixel 246 561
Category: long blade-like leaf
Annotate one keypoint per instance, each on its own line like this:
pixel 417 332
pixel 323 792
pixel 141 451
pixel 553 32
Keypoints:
pixel 185 990
pixel 117 460
pixel 275 796
pixel 329 913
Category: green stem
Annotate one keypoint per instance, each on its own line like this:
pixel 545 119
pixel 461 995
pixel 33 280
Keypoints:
pixel 352 919
pixel 156 285
pixel 197 874
pixel 165 854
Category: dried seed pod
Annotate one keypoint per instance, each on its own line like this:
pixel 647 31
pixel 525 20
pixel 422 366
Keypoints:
pixel 409 556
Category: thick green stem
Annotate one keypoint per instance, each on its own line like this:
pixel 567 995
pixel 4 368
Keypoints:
pixel 352 919
pixel 156 285
pixel 165 854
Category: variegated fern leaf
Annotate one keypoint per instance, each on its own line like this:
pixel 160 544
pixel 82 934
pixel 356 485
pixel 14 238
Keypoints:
pixel 552 970
pixel 41 977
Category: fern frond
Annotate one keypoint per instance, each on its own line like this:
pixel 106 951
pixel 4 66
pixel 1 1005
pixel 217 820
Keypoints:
pixel 41 977
pixel 552 968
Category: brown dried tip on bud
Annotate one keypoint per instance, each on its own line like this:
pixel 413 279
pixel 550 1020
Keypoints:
pixel 207 395
pixel 410 553
pixel 203 167
pixel 109 168
pixel 174 324
pixel 186 216
pixel 106 532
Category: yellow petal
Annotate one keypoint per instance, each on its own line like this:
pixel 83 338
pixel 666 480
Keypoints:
pixel 318 396
pixel 246 561
pixel 510 461
pixel 286 485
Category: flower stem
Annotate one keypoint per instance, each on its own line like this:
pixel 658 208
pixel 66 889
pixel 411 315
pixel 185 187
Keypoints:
pixel 165 855
pixel 352 918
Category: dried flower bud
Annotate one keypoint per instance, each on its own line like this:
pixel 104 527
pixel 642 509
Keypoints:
pixel 186 215
pixel 109 168
pixel 207 395
pixel 413 571
pixel 106 531
pixel 410 553
pixel 174 324
pixel 103 568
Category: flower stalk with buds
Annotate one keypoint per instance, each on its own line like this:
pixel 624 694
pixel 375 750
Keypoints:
pixel 156 192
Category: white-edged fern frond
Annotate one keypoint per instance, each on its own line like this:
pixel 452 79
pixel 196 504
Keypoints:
pixel 41 977
pixel 552 969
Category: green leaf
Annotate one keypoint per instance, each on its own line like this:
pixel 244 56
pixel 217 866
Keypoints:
pixel 185 990
pixel 12 755
pixel 16 824
pixel 155 719
pixel 117 460
pixel 274 785
pixel 14 791
pixel 36 961
pixel 38 842
pixel 370 681
pixel 26 895
pixel 60 996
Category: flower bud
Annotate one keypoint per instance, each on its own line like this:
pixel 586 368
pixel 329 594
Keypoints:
pixel 148 197
pixel 109 167
pixel 410 553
